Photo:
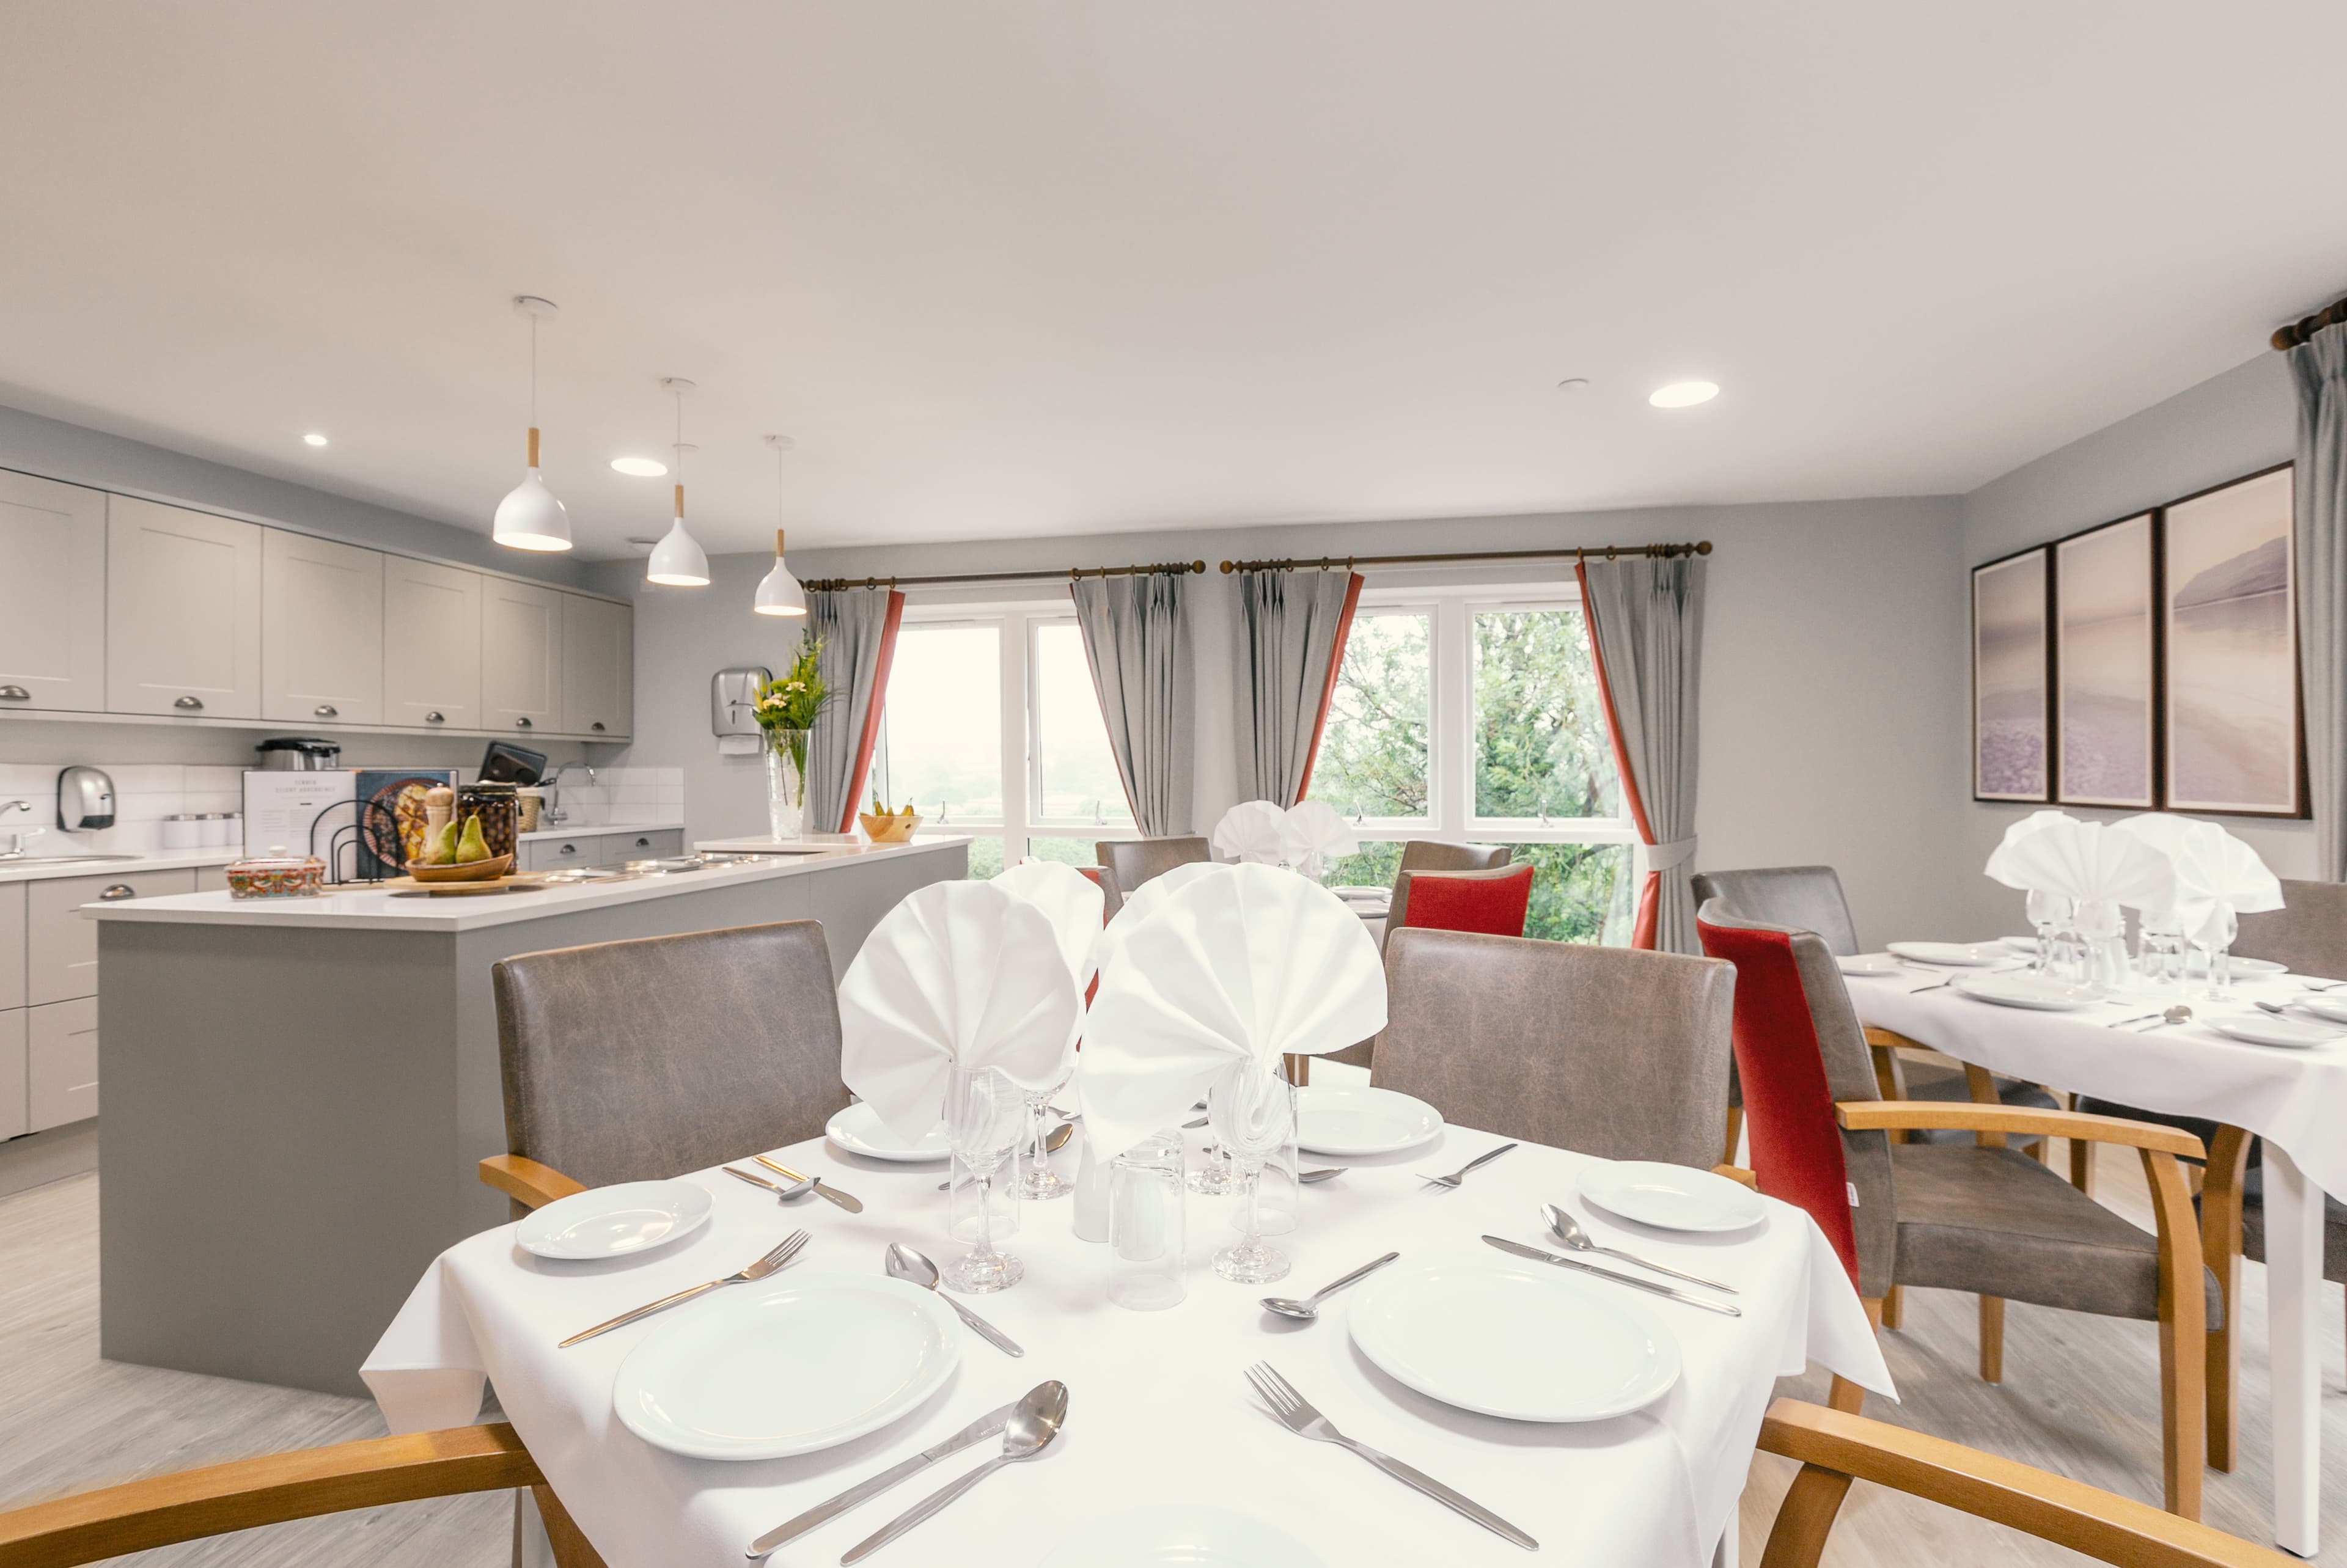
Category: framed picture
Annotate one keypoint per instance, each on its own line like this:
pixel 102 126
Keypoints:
pixel 2008 678
pixel 2228 611
pixel 2106 671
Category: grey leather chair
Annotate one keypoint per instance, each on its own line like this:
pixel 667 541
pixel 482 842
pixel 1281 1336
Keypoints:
pixel 1603 1050
pixel 636 1061
pixel 1130 862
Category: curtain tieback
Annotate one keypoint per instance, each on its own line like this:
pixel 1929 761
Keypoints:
pixel 1663 856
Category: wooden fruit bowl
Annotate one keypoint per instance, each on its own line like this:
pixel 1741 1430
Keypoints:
pixel 488 870
pixel 888 829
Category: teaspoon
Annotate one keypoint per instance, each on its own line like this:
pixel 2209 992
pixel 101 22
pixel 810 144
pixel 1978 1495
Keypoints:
pixel 1309 1307
pixel 1033 1423
pixel 903 1263
pixel 1566 1229
pixel 2179 1013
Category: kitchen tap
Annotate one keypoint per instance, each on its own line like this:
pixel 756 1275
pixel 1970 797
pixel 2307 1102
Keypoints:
pixel 15 849
pixel 552 784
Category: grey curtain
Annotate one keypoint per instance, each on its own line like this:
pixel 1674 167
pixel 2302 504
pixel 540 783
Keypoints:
pixel 2318 365
pixel 1138 642
pixel 1288 622
pixel 1646 619
pixel 852 626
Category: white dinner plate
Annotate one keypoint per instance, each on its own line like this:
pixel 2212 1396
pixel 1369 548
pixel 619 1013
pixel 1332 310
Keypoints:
pixel 1523 1340
pixel 1670 1197
pixel 1956 955
pixel 2331 1005
pixel 2265 1029
pixel 1339 1119
pixel 2042 992
pixel 859 1129
pixel 759 1373
pixel 614 1221
pixel 1872 964
pixel 2241 966
pixel 2019 944
pixel 1179 1535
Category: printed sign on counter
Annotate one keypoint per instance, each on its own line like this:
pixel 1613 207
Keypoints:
pixel 281 808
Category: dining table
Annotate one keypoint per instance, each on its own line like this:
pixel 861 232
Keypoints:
pixel 1161 1417
pixel 2124 1049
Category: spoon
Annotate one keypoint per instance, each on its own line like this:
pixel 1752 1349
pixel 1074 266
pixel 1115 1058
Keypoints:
pixel 1322 1174
pixel 2179 1013
pixel 1033 1423
pixel 1309 1307
pixel 903 1263
pixel 798 1189
pixel 1053 1142
pixel 1566 1229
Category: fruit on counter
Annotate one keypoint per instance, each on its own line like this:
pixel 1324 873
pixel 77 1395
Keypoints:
pixel 470 845
pixel 880 810
pixel 441 848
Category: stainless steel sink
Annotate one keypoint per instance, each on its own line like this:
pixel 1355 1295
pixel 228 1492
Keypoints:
pixel 10 862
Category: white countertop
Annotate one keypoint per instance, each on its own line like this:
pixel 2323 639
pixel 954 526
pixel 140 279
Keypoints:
pixel 161 860
pixel 370 910
pixel 596 829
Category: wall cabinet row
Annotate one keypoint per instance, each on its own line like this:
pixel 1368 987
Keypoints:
pixel 112 604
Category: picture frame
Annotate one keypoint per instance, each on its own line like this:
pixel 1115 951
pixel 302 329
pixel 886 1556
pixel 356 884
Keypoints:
pixel 2011 664
pixel 2105 668
pixel 2232 711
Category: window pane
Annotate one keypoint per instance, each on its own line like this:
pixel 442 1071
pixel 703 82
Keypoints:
pixel 1541 741
pixel 1066 850
pixel 985 858
pixel 1373 755
pixel 1581 892
pixel 1075 772
pixel 944 721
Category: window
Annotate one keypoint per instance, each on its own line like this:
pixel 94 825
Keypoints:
pixel 1475 717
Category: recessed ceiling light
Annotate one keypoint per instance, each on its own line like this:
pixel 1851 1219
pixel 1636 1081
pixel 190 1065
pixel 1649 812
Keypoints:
pixel 1684 393
pixel 641 467
pixel 314 439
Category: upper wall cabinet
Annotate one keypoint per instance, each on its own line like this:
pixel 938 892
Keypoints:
pixel 521 656
pixel 431 645
pixel 52 594
pixel 598 667
pixel 182 612
pixel 321 631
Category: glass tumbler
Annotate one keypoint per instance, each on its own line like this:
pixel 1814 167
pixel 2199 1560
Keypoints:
pixel 1145 1230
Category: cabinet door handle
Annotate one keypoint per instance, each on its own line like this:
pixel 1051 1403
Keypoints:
pixel 118 892
pixel 191 703
pixel 643 843
pixel 323 711
pixel 597 726
pixel 18 694
pixel 522 722
pixel 569 849
pixel 436 717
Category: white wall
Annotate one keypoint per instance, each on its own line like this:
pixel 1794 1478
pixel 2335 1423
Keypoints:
pixel 1834 660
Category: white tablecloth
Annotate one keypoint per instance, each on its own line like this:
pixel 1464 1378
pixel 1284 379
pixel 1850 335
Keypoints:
pixel 1159 1408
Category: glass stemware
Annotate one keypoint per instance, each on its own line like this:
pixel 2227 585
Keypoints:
pixel 1252 1112
pixel 1037 1181
pixel 2047 910
pixel 983 1111
pixel 2214 941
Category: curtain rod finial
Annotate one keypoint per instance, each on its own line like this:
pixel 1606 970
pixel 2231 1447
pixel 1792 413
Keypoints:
pixel 1703 547
pixel 1226 568
pixel 1199 567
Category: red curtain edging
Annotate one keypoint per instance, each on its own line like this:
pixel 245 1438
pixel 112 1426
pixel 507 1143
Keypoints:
pixel 871 737
pixel 1650 891
pixel 1328 690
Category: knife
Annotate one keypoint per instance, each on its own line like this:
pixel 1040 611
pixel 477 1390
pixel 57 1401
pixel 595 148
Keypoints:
pixel 986 1426
pixel 1520 1250
pixel 823 1189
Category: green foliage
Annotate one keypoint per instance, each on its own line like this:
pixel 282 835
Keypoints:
pixel 794 699
pixel 1540 741
pixel 1373 754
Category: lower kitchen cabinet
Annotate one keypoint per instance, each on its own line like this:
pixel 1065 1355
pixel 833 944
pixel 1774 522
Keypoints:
pixel 14 1119
pixel 61 1062
pixel 608 847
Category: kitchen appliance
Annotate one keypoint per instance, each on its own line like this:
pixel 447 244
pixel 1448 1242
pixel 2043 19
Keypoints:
pixel 299 755
pixel 85 799
pixel 505 763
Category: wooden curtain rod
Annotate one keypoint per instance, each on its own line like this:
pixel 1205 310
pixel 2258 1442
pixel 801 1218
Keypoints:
pixel 2299 330
pixel 1581 553
pixel 1070 574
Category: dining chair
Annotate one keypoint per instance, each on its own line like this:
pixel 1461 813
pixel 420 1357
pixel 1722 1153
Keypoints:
pixel 1981 1218
pixel 1429 854
pixel 1492 900
pixel 633 1061
pixel 1607 1052
pixel 1130 862
pixel 1835 1448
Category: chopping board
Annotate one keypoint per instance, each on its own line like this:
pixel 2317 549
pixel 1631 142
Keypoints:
pixel 409 887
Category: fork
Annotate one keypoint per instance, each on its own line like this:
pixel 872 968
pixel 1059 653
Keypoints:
pixel 1298 1415
pixel 787 1249
pixel 1453 1181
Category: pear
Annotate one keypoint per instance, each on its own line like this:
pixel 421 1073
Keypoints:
pixel 471 845
pixel 442 849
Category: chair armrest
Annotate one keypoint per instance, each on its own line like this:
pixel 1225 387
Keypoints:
pixel 187 1505
pixel 1737 1173
pixel 529 1182
pixel 1890 1115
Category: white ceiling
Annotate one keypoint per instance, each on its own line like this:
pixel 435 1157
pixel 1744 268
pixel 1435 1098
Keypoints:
pixel 1029 268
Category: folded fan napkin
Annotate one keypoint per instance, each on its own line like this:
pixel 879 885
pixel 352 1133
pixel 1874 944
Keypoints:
pixel 1070 900
pixel 1312 834
pixel 1142 901
pixel 2217 875
pixel 1242 967
pixel 2000 860
pixel 960 973
pixel 2088 861
pixel 1250 832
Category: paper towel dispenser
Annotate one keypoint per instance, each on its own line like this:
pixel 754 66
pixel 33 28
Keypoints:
pixel 732 693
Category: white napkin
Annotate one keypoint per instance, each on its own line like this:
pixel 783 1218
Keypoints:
pixel 959 973
pixel 2000 859
pixel 1070 900
pixel 2087 861
pixel 1241 967
pixel 1313 834
pixel 1250 832
pixel 2217 875
pixel 1134 912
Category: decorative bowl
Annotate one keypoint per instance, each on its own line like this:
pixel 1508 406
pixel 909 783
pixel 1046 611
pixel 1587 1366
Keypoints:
pixel 488 870
pixel 888 829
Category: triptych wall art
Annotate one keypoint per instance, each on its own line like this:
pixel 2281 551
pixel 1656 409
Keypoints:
pixel 2150 663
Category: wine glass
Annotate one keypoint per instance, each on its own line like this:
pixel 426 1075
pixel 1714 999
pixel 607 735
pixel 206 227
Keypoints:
pixel 2215 938
pixel 1037 1181
pixel 983 1110
pixel 2045 911
pixel 1251 1111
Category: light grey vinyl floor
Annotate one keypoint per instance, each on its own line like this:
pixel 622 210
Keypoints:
pixel 2080 1396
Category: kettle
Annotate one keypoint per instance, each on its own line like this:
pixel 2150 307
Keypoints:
pixel 85 799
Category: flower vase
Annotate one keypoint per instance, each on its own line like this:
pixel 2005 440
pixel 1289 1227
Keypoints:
pixel 787 761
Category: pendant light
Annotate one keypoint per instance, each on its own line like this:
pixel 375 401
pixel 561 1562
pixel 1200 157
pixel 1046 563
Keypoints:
pixel 529 517
pixel 678 561
pixel 779 592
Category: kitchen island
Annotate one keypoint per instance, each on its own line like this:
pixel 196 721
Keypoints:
pixel 297 1090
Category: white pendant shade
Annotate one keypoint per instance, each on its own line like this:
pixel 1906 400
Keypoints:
pixel 779 592
pixel 529 517
pixel 678 560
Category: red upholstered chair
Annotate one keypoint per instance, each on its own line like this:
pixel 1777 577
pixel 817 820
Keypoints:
pixel 1492 903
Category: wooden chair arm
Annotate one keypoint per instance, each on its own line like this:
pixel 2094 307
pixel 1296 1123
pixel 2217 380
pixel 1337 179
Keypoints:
pixel 526 1181
pixel 1835 1448
pixel 91 1526
pixel 1888 1115
pixel 1737 1173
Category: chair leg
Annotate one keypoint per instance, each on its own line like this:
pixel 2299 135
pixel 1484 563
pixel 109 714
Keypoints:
pixel 1805 1518
pixel 1991 1339
pixel 571 1549
pixel 1735 1135
pixel 2220 1252
pixel 2183 1338
pixel 1891 1299
pixel 1843 1394
pixel 2082 1165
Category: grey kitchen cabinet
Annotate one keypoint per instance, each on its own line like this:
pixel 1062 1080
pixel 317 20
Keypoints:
pixel 211 878
pixel 431 645
pixel 182 612
pixel 572 849
pixel 12 950
pixel 61 944
pixel 600 846
pixel 16 1116
pixel 52 596
pixel 60 1063
pixel 646 843
pixel 521 656
pixel 598 667
pixel 321 631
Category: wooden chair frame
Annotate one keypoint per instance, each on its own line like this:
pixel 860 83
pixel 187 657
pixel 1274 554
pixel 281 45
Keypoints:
pixel 1835 1449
